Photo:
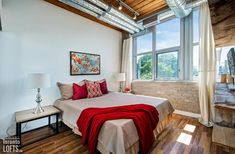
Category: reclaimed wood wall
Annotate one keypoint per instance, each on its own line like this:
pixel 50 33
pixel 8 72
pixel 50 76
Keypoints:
pixel 223 21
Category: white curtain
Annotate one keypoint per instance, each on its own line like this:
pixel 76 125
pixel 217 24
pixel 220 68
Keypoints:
pixel 127 61
pixel 207 66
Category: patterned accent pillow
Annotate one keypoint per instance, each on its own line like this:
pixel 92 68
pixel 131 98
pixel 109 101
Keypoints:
pixel 93 89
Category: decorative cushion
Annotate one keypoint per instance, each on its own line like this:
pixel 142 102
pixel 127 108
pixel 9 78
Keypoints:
pixel 79 92
pixel 93 89
pixel 103 86
pixel 66 90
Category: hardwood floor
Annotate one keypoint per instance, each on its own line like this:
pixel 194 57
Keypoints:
pixel 195 137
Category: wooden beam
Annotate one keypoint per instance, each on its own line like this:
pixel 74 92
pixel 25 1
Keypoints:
pixel 76 11
pixel 223 21
pixel 149 14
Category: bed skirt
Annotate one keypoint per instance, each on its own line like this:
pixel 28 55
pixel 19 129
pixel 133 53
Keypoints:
pixel 134 149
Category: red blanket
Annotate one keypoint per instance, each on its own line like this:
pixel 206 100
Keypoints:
pixel 144 116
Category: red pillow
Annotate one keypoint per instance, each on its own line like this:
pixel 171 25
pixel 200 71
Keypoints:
pixel 79 92
pixel 103 86
pixel 93 89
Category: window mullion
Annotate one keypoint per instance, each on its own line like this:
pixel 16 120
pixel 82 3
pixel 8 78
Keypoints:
pixel 134 59
pixel 154 67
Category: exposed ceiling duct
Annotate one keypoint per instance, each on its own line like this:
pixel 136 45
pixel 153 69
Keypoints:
pixel 187 6
pixel 179 8
pixel 195 3
pixel 116 13
pixel 105 13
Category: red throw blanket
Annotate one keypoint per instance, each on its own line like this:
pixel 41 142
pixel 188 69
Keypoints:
pixel 144 116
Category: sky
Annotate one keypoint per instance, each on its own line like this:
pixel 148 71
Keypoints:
pixel 167 35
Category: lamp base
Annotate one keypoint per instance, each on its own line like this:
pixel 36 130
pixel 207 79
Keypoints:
pixel 38 109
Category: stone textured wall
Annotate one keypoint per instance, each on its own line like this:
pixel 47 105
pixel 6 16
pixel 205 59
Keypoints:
pixel 183 95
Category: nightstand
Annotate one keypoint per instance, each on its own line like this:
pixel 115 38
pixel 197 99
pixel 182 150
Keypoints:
pixel 28 115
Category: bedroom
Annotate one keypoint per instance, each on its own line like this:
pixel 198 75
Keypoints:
pixel 151 53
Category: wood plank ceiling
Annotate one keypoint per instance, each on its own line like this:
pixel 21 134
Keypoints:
pixel 145 8
pixel 223 21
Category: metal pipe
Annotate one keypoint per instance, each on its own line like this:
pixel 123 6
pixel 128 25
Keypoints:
pixel 195 4
pixel 95 14
pixel 128 7
pixel 116 13
pixel 178 7
pixel 105 14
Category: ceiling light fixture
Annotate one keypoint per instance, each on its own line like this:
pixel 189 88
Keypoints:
pixel 134 17
pixel 120 7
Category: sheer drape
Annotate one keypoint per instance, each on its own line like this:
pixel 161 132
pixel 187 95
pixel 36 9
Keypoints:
pixel 127 61
pixel 207 66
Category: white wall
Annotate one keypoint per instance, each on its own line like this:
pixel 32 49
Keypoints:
pixel 37 37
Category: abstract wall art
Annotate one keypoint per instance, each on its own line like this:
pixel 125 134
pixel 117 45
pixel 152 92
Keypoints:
pixel 84 63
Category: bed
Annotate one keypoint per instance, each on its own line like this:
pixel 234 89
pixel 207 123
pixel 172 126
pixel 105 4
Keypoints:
pixel 116 136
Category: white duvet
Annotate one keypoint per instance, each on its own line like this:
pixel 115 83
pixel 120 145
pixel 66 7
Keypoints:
pixel 116 136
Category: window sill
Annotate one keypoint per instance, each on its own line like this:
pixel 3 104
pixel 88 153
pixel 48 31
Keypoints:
pixel 169 81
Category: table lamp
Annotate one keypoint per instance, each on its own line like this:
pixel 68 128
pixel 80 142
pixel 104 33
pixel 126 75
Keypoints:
pixel 38 81
pixel 121 77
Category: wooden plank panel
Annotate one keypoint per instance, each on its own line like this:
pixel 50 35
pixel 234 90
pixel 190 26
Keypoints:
pixel 151 6
pixel 143 7
pixel 135 3
pixel 148 3
pixel 223 21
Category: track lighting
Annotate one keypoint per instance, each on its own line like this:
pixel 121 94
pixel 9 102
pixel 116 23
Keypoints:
pixel 117 13
pixel 134 17
pixel 108 15
pixel 120 7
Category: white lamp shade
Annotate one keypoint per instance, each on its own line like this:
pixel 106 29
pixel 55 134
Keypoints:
pixel 38 80
pixel 121 77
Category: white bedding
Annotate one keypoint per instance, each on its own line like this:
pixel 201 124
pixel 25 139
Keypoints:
pixel 115 136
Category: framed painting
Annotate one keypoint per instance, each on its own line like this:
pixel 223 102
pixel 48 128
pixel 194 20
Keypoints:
pixel 84 63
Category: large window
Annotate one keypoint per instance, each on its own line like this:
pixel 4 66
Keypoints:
pixel 195 54
pixel 144 66
pixel 167 49
pixel 144 57
pixel 168 34
pixel 167 65
pixel 144 43
pixel 166 52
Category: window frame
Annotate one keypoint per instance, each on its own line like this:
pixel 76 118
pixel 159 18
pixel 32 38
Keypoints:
pixel 156 52
pixel 169 50
pixel 135 55
pixel 185 50
pixel 192 43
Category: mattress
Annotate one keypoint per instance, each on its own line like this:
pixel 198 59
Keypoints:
pixel 116 136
